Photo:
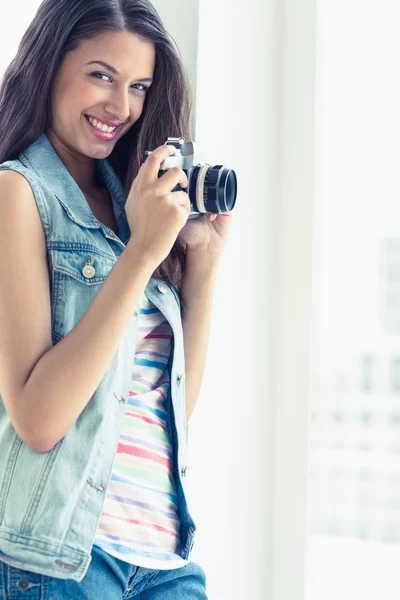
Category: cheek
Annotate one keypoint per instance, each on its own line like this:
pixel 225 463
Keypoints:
pixel 77 96
pixel 137 109
pixel 86 96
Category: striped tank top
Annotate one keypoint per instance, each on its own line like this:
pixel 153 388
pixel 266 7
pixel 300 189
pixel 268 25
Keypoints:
pixel 139 523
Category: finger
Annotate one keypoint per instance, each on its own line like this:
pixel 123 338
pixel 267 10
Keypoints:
pixel 170 179
pixel 182 199
pixel 151 166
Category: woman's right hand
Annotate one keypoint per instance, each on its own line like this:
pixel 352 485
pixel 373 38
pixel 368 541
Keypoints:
pixel 154 213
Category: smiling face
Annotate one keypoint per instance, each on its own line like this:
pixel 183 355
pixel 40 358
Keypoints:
pixel 81 89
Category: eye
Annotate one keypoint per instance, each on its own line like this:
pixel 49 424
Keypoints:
pixel 101 75
pixel 143 88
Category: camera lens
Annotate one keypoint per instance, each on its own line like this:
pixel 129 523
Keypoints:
pixel 212 189
pixel 230 189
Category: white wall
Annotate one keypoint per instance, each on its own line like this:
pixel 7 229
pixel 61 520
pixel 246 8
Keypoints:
pixel 13 24
pixel 293 299
pixel 180 18
pixel 231 427
pixel 248 434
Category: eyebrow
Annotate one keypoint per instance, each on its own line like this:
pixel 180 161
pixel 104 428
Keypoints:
pixel 114 70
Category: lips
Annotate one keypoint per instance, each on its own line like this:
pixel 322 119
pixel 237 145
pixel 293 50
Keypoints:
pixel 103 135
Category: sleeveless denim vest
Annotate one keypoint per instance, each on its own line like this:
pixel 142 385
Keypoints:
pixel 51 503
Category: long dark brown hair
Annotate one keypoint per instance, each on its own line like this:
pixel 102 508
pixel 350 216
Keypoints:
pixel 58 27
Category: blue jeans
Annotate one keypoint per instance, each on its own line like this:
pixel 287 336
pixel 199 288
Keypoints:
pixel 107 578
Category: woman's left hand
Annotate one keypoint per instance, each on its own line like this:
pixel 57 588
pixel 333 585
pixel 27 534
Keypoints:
pixel 207 233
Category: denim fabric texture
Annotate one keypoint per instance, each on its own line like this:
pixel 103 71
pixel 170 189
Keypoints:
pixel 109 579
pixel 51 503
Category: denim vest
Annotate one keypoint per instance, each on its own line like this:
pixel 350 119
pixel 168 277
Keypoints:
pixel 51 503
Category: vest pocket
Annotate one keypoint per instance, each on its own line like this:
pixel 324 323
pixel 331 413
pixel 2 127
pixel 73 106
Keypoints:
pixel 24 481
pixel 87 266
pixel 77 274
pixel 8 473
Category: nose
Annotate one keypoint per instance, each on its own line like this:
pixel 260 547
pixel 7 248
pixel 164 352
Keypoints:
pixel 118 107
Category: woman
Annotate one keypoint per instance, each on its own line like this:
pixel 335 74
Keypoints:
pixel 94 402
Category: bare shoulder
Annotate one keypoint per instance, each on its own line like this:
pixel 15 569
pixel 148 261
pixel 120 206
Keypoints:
pixel 18 211
pixel 25 314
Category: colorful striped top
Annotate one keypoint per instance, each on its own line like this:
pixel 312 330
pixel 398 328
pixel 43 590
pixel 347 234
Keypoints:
pixel 139 523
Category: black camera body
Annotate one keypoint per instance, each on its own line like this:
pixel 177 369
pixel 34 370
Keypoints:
pixel 211 189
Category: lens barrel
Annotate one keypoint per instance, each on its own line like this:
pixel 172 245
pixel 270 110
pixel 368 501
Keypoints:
pixel 212 189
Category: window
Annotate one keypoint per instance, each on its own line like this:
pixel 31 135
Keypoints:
pixel 354 427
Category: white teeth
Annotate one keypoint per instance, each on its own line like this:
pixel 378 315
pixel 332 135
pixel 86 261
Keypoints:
pixel 101 126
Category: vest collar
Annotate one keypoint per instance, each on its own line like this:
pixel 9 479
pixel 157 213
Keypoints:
pixel 44 160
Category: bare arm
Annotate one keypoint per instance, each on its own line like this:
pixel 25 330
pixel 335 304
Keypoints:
pixel 72 370
pixel 197 291
pixel 33 372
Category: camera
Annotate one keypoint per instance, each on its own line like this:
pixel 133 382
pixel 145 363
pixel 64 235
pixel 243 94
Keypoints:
pixel 211 189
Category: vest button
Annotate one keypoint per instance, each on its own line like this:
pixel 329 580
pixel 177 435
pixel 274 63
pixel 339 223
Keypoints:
pixel 162 288
pixel 88 271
